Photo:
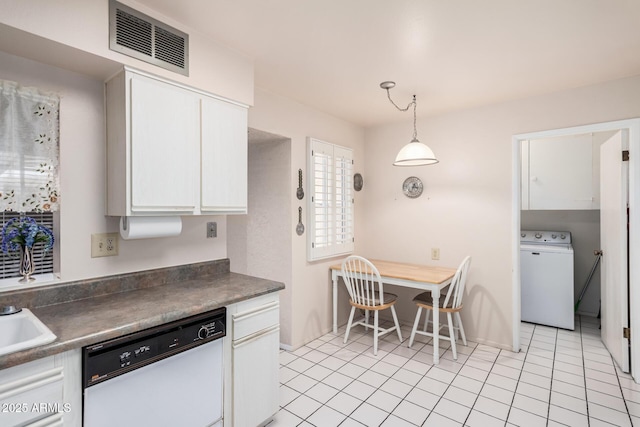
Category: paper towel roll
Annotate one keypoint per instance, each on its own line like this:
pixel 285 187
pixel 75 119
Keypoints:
pixel 146 227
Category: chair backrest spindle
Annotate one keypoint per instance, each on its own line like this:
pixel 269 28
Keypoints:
pixel 361 277
pixel 456 289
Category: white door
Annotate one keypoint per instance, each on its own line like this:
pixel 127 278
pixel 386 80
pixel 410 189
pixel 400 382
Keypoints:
pixel 164 148
pixel 255 377
pixel 614 178
pixel 224 160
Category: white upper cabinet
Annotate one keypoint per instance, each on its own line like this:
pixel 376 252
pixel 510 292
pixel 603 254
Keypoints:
pixel 172 149
pixel 224 157
pixel 164 149
pixel 559 174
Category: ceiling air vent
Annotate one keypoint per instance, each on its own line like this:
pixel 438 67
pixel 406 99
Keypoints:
pixel 135 34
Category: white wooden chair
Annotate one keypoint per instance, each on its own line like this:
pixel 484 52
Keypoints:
pixel 364 285
pixel 450 303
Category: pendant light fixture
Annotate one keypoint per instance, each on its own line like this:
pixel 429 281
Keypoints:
pixel 414 153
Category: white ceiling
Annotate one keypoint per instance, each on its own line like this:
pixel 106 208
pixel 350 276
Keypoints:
pixel 453 54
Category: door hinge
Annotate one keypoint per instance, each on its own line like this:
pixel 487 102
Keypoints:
pixel 625 155
pixel 626 333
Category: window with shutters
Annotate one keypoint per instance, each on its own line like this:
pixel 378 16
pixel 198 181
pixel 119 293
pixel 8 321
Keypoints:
pixel 330 202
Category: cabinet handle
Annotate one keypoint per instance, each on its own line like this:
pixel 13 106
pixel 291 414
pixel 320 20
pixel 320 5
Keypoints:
pixel 29 383
pixel 255 336
pixel 255 311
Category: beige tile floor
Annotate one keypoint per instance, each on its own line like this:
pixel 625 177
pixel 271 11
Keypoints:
pixel 559 378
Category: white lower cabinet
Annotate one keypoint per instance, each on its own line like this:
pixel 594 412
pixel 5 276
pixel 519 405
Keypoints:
pixel 44 392
pixel 255 344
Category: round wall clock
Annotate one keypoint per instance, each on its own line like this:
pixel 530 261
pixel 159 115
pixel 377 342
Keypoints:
pixel 412 187
pixel 357 182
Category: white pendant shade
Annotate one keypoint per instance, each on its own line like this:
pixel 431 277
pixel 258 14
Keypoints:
pixel 415 153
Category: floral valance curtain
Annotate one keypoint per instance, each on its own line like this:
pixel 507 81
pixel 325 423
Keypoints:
pixel 29 149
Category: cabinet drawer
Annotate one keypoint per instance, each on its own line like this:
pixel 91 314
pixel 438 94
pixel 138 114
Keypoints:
pixel 254 319
pixel 31 398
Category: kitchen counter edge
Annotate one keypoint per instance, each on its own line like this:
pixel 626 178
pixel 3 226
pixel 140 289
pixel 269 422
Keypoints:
pixel 88 321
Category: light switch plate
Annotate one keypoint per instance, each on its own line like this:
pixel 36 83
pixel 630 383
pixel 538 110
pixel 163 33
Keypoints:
pixel 435 253
pixel 104 244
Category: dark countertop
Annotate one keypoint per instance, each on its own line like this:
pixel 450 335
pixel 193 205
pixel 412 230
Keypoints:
pixel 87 321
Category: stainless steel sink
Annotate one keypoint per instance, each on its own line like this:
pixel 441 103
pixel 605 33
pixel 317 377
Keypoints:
pixel 21 331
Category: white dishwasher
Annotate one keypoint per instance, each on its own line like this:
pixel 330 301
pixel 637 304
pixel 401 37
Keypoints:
pixel 546 277
pixel 169 376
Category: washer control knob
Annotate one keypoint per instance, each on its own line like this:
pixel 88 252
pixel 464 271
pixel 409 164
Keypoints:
pixel 554 236
pixel 562 236
pixel 538 235
pixel 523 235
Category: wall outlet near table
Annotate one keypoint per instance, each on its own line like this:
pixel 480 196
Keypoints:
pixel 435 253
pixel 104 244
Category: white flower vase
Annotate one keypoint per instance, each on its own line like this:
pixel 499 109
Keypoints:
pixel 26 264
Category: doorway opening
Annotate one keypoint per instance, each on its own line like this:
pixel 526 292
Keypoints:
pixel 632 128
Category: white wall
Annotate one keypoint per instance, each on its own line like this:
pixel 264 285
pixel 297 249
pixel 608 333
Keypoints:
pixel 82 182
pixel 311 285
pixel 466 206
pixel 259 243
pixel 84 25
pixel 73 34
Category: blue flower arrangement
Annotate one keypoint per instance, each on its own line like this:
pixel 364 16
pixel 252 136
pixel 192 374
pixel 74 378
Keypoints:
pixel 25 232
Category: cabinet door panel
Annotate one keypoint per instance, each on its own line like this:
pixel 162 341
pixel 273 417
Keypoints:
pixel 255 378
pixel 164 144
pixel 560 173
pixel 224 157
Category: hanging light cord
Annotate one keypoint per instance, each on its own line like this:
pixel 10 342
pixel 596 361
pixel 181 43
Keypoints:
pixel 414 103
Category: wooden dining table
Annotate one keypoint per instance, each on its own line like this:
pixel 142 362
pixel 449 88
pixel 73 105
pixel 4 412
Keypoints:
pixel 422 277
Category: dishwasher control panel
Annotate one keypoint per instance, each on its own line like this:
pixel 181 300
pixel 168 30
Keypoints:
pixel 114 357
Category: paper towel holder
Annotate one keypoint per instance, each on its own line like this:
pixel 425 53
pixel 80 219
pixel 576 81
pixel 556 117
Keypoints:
pixel 146 227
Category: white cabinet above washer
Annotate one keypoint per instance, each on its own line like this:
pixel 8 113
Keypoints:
pixel 560 174
pixel 172 149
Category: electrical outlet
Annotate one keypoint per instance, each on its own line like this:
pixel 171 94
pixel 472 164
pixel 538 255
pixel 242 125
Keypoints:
pixel 105 244
pixel 435 253
pixel 212 229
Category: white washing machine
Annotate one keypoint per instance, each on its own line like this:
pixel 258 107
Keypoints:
pixel 546 275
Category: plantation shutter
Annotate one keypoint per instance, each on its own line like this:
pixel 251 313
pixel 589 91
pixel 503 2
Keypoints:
pixel 330 218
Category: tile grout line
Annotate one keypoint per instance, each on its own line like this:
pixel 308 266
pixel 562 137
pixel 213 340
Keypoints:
pixel 624 399
pixel 521 371
pixel 553 365
pixel 584 372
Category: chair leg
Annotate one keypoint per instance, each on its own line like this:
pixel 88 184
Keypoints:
pixel 395 319
pixel 427 312
pixel 460 328
pixel 375 333
pixel 452 336
pixel 346 333
pixel 415 326
pixel 366 319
